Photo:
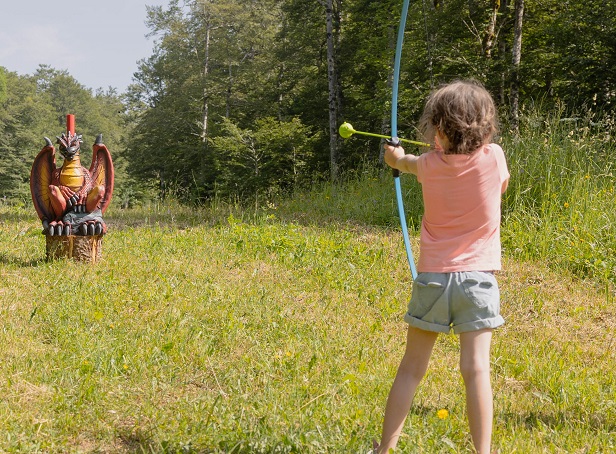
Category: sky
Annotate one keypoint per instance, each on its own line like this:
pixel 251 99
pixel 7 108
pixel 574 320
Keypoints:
pixel 98 42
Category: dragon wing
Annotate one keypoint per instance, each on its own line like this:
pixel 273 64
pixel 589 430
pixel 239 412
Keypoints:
pixel 40 178
pixel 101 170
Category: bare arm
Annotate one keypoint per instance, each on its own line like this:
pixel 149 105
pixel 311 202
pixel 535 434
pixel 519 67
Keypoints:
pixel 397 159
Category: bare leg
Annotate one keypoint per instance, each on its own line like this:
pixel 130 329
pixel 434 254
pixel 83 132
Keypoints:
pixel 412 368
pixel 475 369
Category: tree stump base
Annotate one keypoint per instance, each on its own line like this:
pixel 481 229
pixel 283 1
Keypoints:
pixel 87 248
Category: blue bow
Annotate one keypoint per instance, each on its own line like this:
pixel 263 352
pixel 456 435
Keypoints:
pixel 394 134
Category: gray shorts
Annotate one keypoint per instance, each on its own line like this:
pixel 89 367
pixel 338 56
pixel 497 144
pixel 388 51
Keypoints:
pixel 463 301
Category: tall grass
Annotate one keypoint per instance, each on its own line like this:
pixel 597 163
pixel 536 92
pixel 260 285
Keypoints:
pixel 560 204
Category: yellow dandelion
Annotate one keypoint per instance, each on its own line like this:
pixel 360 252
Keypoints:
pixel 125 366
pixel 566 205
pixel 442 414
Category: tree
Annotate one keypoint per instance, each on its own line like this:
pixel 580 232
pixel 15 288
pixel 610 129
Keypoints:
pixel 269 158
pixel 22 123
pixel 210 64
pixel 3 93
pixel 516 57
pixel 332 20
pixel 228 62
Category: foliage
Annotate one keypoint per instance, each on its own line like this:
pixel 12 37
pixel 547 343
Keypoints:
pixel 3 92
pixel 268 61
pixel 218 63
pixel 575 63
pixel 271 157
pixel 181 99
pixel 20 120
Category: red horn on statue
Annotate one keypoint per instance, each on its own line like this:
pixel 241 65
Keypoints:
pixel 70 125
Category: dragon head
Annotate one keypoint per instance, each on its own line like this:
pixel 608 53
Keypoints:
pixel 69 145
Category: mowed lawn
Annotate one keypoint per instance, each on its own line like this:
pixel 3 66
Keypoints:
pixel 211 335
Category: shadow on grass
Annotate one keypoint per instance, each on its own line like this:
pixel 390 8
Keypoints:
pixel 163 219
pixel 539 420
pixel 536 420
pixel 596 422
pixel 6 259
pixel 17 216
pixel 139 442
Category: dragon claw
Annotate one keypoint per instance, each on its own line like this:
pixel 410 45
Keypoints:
pixel 58 229
pixel 92 227
pixel 55 229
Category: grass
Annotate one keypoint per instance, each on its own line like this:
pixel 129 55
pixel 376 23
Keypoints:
pixel 201 332
pixel 278 329
pixel 559 206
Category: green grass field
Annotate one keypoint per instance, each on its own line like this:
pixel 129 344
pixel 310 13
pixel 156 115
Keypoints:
pixel 202 332
pixel 277 328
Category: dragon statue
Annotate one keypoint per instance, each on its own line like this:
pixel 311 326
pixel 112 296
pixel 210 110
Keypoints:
pixel 71 200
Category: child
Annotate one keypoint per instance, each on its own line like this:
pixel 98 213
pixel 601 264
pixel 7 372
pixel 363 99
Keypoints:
pixel 462 180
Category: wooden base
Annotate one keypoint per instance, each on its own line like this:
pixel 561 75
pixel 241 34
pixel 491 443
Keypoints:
pixel 87 248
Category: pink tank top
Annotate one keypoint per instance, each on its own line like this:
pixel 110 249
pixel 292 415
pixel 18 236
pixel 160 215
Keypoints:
pixel 460 229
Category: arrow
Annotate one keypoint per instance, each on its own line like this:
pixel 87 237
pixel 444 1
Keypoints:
pixel 346 130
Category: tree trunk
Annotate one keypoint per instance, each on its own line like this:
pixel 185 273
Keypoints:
pixel 206 64
pixel 333 101
pixel 229 91
pixel 87 248
pixel 279 88
pixel 515 73
pixel 490 36
pixel 428 43
pixel 502 52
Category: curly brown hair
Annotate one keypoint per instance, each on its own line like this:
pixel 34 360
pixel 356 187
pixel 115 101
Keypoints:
pixel 464 112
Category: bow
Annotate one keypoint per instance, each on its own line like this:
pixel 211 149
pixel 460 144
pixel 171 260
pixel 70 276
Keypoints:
pixel 394 134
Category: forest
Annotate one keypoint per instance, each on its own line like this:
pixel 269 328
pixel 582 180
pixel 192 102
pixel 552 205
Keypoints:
pixel 242 98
